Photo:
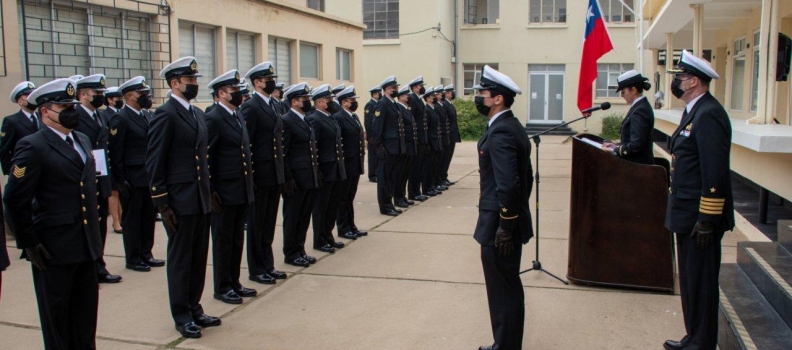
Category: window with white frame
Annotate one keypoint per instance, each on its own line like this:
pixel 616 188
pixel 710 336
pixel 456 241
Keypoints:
pixel 343 65
pixel 381 18
pixel 240 51
pixel 317 5
pixel 199 41
pixel 309 61
pixel 548 11
pixel 279 53
pixel 613 11
pixel 473 75
pixel 755 78
pixel 738 74
pixel 607 78
pixel 482 11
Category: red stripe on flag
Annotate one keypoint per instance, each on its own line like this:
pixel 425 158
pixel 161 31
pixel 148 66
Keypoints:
pixel 596 45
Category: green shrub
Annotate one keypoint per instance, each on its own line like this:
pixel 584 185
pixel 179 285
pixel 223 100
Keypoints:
pixel 611 126
pixel 471 123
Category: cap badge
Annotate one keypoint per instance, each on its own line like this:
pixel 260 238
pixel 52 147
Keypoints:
pixel 236 76
pixel 143 83
pixel 31 86
pixel 272 69
pixel 194 66
pixel 70 90
pixel 306 88
pixel 102 82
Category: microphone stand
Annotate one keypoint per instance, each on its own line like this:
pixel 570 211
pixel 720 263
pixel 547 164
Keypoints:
pixel 537 265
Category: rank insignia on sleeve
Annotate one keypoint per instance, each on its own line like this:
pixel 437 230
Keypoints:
pixel 113 132
pixel 504 209
pixel 712 190
pixel 2 134
pixel 154 189
pixel 689 126
pixel 377 113
pixel 367 111
pixel 19 172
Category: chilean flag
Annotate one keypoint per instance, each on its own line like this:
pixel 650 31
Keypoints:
pixel 596 44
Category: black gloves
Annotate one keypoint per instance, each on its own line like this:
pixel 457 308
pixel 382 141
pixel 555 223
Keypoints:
pixel 168 217
pixel 504 241
pixel 37 255
pixel 704 233
pixel 380 152
pixel 217 202
pixel 288 188
pixel 123 190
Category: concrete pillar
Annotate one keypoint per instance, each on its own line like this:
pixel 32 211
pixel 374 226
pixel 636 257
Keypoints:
pixel 220 51
pixel 669 64
pixel 767 35
pixel 698 29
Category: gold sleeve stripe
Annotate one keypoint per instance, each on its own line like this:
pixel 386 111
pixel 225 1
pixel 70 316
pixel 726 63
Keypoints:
pixel 710 212
pixel 160 195
pixel 713 200
pixel 509 218
pixel 712 206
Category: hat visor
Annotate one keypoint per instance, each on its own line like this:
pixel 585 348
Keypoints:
pixel 64 102
pixel 676 71
pixel 479 87
pixel 197 75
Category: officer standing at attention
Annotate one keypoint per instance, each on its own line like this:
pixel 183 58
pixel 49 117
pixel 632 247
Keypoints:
pixel 637 126
pixel 231 175
pixel 410 141
pixel 113 102
pixel 354 152
pixel 331 173
pixel 128 141
pixel 337 90
pixel 17 125
pixel 418 110
pixel 388 137
pixel 90 91
pixel 435 144
pixel 265 129
pixel 368 115
pixel 244 90
pixel 51 197
pixel 176 162
pixel 302 177
pixel 504 222
pixel 453 133
pixel 214 102
pixel 443 129
pixel 277 95
pixel 700 152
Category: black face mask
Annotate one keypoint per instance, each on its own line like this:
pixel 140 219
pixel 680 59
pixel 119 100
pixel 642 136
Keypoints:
pixel 148 103
pixel 31 106
pixel 453 96
pixel 394 94
pixel 676 90
pixel 143 101
pixel 480 107
pixel 269 86
pixel 422 91
pixel 236 98
pixel 68 118
pixel 331 107
pixel 97 101
pixel 354 106
pixel 190 91
pixel 306 106
pixel 118 104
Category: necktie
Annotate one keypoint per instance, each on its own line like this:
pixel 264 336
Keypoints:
pixel 34 121
pixel 96 119
pixel 70 141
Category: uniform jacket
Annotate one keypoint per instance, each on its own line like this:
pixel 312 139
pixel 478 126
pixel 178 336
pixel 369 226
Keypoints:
pixel 107 115
pixel 433 132
pixel 410 130
pixel 265 128
pixel 452 122
pixel 418 110
pixel 368 116
pixel 14 128
pixel 4 260
pixel 506 180
pixel 230 167
pixel 388 127
pixel 128 142
pixel 99 137
pixel 353 146
pixel 636 134
pixel 210 107
pixel 51 198
pixel 299 151
pixel 176 159
pixel 700 171
pixel 329 146
pixel 442 123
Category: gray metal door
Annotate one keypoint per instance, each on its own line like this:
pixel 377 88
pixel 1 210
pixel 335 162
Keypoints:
pixel 546 97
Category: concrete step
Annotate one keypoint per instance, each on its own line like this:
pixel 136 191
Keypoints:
pixel 769 267
pixel 746 319
pixel 785 234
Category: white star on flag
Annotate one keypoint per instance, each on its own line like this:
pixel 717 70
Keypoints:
pixel 589 14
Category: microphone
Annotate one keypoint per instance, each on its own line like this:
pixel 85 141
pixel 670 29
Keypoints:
pixel 605 106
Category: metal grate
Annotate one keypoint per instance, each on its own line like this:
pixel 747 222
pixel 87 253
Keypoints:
pixel 64 38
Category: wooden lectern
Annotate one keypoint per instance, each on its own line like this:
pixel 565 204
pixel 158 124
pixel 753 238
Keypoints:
pixel 617 236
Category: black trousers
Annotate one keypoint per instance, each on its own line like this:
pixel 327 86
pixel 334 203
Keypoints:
pixel 228 240
pixel 700 291
pixel 346 204
pixel 188 249
pixel 439 166
pixel 417 173
pixel 261 229
pixel 68 299
pixel 373 161
pixel 101 266
pixel 138 220
pixel 505 295
pixel 430 170
pixel 385 171
pixel 325 212
pixel 400 188
pixel 448 154
pixel 297 210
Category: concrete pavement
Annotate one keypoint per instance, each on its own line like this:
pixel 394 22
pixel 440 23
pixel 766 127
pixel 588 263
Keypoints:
pixel 414 282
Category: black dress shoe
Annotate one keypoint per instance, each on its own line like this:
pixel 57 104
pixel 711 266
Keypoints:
pixel 348 235
pixel 311 260
pixel 410 202
pixel 419 198
pixel 278 275
pixel 205 320
pixel 339 245
pixel 262 278
pixel 431 193
pixel 327 248
pixel 118 231
pixel 672 345
pixel 441 188
pixel 450 183
pixel 139 267
pixel 189 330
pixel 245 292
pixel 298 261
pixel 485 347
pixel 398 211
pixel 372 179
pixel 109 279
pixel 390 213
pixel 402 204
pixel 154 262
pixel 229 297
pixel 360 233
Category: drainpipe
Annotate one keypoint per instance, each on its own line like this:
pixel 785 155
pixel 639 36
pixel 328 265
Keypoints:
pixel 456 47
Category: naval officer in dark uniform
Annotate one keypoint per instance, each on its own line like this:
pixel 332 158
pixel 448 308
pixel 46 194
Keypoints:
pixel 231 174
pixel 176 162
pixel 636 129
pixel 443 130
pixel 389 145
pixel 128 141
pixel 418 166
pixel 265 128
pixel 435 151
pixel 700 203
pixel 301 168
pixel 337 90
pixel 90 92
pixel 18 125
pixel 411 148
pixel 453 132
pixel 354 150
pixel 504 222
pixel 368 116
pixel 114 101
pixel 51 197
